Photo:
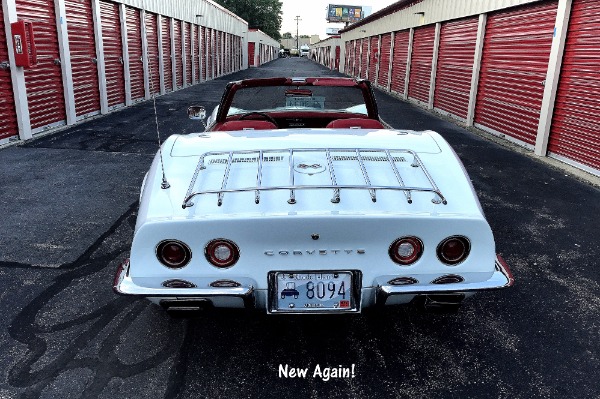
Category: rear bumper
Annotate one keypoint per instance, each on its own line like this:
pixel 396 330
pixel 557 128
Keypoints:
pixel 502 278
pixel 246 296
pixel 124 285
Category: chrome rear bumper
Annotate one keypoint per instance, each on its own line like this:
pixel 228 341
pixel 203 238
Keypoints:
pixel 502 278
pixel 124 285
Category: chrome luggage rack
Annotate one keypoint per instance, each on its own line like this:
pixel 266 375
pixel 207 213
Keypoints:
pixel 355 153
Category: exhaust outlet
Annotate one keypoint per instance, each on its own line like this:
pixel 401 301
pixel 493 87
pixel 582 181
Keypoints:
pixel 185 307
pixel 441 303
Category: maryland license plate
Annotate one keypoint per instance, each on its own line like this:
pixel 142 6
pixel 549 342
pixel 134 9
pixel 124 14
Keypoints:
pixel 312 292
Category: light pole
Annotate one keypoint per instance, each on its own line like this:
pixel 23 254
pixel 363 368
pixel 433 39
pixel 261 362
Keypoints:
pixel 297 37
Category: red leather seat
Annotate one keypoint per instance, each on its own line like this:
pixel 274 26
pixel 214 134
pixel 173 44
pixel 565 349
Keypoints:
pixel 355 123
pixel 246 125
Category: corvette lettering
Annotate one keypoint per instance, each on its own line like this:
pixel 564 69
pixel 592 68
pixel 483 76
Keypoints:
pixel 315 252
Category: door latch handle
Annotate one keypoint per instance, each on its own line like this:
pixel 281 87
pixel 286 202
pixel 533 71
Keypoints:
pixel 57 61
pixel 4 65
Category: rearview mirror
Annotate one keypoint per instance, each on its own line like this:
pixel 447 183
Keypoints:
pixel 196 112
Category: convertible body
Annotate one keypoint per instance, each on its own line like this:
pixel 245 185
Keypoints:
pixel 308 219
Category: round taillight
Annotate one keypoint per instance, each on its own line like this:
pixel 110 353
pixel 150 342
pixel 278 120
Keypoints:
pixel 222 253
pixel 173 253
pixel 453 250
pixel 406 250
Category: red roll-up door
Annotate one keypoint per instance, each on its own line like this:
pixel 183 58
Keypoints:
pixel 8 114
pixel 374 59
pixel 178 53
pixel 337 57
pixel 134 47
pixel 151 22
pixel 188 53
pixel 399 61
pixel 455 66
pixel 82 46
pixel 251 48
pixel 575 132
pixel 45 93
pixel 221 46
pixel 210 46
pixel 384 60
pixel 364 57
pixel 196 59
pixel 347 56
pixel 113 53
pixel 421 63
pixel 167 52
pixel 203 49
pixel 513 69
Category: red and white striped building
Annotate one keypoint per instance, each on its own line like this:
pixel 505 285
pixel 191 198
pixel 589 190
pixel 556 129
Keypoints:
pixel 94 56
pixel 526 70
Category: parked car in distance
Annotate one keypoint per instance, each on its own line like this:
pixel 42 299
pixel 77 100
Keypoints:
pixel 298 198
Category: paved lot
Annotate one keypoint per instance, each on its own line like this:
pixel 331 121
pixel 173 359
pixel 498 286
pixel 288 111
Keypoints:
pixel 69 206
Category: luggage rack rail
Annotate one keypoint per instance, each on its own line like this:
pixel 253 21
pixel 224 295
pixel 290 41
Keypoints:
pixel 359 153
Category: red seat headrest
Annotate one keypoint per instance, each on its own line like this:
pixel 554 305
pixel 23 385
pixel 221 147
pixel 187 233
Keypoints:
pixel 355 123
pixel 246 125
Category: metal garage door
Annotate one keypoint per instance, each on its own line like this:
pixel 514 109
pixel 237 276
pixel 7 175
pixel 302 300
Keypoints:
pixel 153 55
pixel 211 48
pixel 455 66
pixel 364 57
pixel 113 53
pixel 188 53
pixel 204 47
pixel 575 132
pixel 513 69
pixel 165 23
pixel 178 53
pixel 44 83
pixel 347 58
pixel 8 116
pixel 134 47
pixel 337 58
pixel 196 58
pixel 384 60
pixel 399 61
pixel 373 58
pixel 82 46
pixel 421 63
pixel 251 49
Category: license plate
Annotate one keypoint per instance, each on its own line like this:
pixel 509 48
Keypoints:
pixel 313 292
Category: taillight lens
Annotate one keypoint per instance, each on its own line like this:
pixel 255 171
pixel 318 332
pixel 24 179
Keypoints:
pixel 453 250
pixel 173 253
pixel 222 252
pixel 406 250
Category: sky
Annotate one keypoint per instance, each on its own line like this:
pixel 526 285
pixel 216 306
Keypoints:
pixel 312 14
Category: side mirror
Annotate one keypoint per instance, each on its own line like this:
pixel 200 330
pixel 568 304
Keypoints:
pixel 196 112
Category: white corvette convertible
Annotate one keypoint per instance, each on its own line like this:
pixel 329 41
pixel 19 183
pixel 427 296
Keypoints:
pixel 297 198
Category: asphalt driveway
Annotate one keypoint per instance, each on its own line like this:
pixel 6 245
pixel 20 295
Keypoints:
pixel 69 207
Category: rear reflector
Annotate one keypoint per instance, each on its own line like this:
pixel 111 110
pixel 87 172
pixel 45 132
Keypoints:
pixel 403 281
pixel 178 284
pixel 448 279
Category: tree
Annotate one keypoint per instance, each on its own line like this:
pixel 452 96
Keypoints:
pixel 287 35
pixel 260 14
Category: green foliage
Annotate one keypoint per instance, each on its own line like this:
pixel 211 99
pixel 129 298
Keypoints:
pixel 261 14
pixel 287 35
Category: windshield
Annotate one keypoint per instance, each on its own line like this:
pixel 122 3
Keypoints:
pixel 314 98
